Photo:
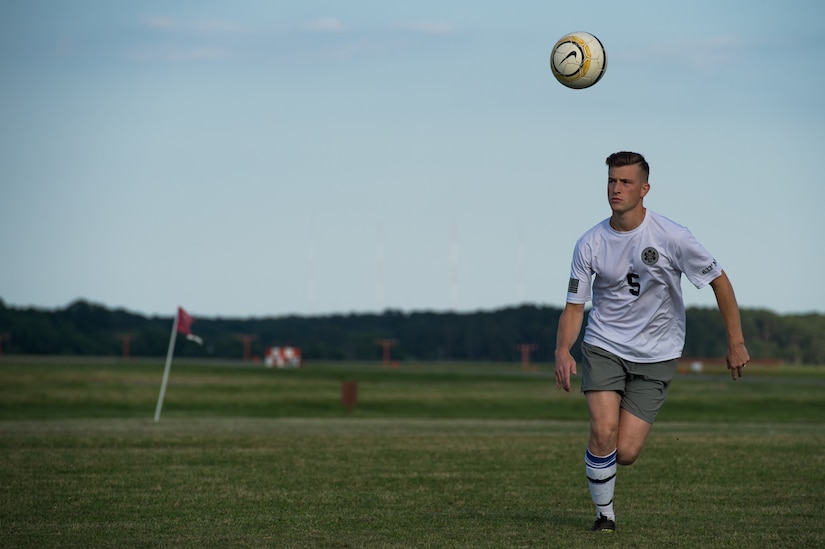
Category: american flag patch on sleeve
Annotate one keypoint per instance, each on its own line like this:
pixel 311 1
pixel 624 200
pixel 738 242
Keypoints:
pixel 573 286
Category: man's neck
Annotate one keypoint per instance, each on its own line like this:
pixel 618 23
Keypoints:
pixel 627 221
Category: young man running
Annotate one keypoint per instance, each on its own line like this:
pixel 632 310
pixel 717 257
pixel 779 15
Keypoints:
pixel 630 267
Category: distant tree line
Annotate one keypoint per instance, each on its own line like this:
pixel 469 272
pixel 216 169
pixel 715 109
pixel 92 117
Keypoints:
pixel 84 328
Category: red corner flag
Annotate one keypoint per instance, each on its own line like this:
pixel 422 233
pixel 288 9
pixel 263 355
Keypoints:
pixel 182 325
pixel 185 322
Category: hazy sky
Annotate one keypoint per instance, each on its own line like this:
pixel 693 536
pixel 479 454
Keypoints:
pixel 261 158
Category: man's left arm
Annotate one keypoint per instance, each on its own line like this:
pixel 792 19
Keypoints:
pixel 737 357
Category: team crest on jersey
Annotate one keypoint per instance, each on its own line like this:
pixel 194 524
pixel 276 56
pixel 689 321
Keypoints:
pixel 650 256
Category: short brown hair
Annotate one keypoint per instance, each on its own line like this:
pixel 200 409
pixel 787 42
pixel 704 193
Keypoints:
pixel 627 158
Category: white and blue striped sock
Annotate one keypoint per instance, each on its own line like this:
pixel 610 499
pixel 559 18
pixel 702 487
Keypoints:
pixel 601 476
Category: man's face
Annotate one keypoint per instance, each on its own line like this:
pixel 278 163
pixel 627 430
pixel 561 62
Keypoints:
pixel 626 187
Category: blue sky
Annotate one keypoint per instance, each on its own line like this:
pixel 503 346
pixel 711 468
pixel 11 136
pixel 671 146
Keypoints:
pixel 258 158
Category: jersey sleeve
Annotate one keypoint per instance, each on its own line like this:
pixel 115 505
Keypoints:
pixel 580 285
pixel 695 261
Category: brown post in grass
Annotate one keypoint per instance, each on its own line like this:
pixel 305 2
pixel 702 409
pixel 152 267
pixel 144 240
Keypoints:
pixel 247 340
pixel 349 395
pixel 126 345
pixel 525 349
pixel 386 345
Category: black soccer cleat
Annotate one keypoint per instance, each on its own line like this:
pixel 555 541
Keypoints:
pixel 604 524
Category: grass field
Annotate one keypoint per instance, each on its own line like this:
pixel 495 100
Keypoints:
pixel 440 455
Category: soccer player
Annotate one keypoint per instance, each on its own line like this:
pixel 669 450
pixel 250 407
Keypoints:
pixel 630 266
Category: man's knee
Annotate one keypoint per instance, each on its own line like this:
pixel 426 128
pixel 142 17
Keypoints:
pixel 627 456
pixel 603 439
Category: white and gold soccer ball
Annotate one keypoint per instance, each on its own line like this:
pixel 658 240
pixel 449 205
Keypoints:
pixel 578 60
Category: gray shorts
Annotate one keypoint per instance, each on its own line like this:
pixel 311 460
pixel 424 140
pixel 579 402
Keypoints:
pixel 643 386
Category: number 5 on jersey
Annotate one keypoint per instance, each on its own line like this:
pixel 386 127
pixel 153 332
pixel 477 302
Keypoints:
pixel 633 281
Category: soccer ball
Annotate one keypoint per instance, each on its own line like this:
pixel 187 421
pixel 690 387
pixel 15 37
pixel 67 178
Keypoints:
pixel 578 60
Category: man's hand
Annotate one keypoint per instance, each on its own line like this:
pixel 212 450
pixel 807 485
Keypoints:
pixel 565 366
pixel 737 358
pixel 570 323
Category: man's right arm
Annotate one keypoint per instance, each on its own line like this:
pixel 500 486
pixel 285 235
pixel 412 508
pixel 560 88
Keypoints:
pixel 570 324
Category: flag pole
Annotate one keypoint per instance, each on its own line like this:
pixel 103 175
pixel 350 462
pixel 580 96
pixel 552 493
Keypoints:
pixel 168 366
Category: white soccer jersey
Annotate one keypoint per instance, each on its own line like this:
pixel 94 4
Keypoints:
pixel 634 281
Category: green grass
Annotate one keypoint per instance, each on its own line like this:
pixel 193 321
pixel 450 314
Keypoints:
pixel 433 456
